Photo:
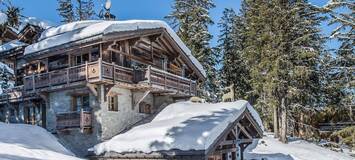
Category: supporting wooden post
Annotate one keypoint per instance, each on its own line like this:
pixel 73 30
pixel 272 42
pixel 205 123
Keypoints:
pixel 113 72
pixel 86 71
pixel 68 79
pixel 49 80
pixel 33 82
pixel 100 68
pixel 149 73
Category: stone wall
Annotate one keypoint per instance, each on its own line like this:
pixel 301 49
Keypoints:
pixel 74 139
pixel 114 122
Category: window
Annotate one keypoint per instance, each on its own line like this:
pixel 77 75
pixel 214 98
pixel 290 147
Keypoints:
pixel 79 102
pixel 81 59
pixel 113 103
pixel 145 108
pixel 95 54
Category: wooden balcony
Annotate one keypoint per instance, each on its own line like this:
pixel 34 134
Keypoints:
pixel 100 71
pixel 72 120
pixel 167 81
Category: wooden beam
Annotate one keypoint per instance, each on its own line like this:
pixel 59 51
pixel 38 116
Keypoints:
pixel 93 88
pixel 244 131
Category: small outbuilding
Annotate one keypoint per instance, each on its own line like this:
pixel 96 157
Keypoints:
pixel 188 131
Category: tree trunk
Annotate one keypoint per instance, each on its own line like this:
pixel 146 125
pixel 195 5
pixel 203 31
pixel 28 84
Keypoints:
pixel 283 135
pixel 301 127
pixel 276 122
pixel 351 113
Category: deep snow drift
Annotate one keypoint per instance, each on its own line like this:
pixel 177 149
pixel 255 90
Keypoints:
pixel 272 149
pixel 21 141
pixel 183 126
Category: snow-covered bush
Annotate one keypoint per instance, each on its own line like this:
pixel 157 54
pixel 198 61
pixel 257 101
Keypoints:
pixel 6 77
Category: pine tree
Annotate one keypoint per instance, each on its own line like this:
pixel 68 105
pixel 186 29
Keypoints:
pixel 85 9
pixel 234 70
pixel 342 66
pixel 191 19
pixel 13 14
pixel 6 75
pixel 282 50
pixel 66 11
pixel 81 10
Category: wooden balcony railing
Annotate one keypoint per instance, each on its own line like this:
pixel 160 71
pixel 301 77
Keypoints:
pixel 93 71
pixel 71 120
pixel 103 71
pixel 167 80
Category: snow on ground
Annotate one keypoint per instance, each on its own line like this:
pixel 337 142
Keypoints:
pixel 3 18
pixel 271 149
pixel 81 30
pixel 21 142
pixel 183 125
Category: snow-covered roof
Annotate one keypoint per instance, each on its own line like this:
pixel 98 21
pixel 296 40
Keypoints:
pixel 80 30
pixel 3 18
pixel 11 45
pixel 24 21
pixel 20 141
pixel 183 126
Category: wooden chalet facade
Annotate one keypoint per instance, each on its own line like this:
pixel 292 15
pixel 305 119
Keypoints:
pixel 91 88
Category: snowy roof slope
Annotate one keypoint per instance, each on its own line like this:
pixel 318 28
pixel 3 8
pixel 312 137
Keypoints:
pixel 184 126
pixel 35 22
pixel 3 18
pixel 11 45
pixel 80 30
pixel 20 141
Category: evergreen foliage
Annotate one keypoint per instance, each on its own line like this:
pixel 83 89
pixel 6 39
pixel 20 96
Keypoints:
pixel 78 10
pixel 282 48
pixel 234 70
pixel 65 10
pixel 5 77
pixel 85 9
pixel 13 14
pixel 341 69
pixel 191 20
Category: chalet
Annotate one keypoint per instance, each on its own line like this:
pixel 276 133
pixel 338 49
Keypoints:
pixel 188 131
pixel 88 81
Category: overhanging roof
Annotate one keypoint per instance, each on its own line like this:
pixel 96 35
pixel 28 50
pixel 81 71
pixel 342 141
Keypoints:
pixel 83 30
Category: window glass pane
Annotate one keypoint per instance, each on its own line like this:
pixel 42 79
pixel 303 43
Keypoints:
pixel 78 60
pixel 86 101
pixel 85 58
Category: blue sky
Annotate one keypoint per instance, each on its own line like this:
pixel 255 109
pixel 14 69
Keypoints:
pixel 142 9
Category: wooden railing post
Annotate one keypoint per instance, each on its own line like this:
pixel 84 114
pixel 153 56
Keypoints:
pixel 100 69
pixel 165 84
pixel 113 72
pixel 86 71
pixel 68 79
pixel 149 72
pixel 33 82
pixel 49 80
pixel 190 87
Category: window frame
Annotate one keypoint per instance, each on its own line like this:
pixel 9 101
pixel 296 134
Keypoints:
pixel 112 103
